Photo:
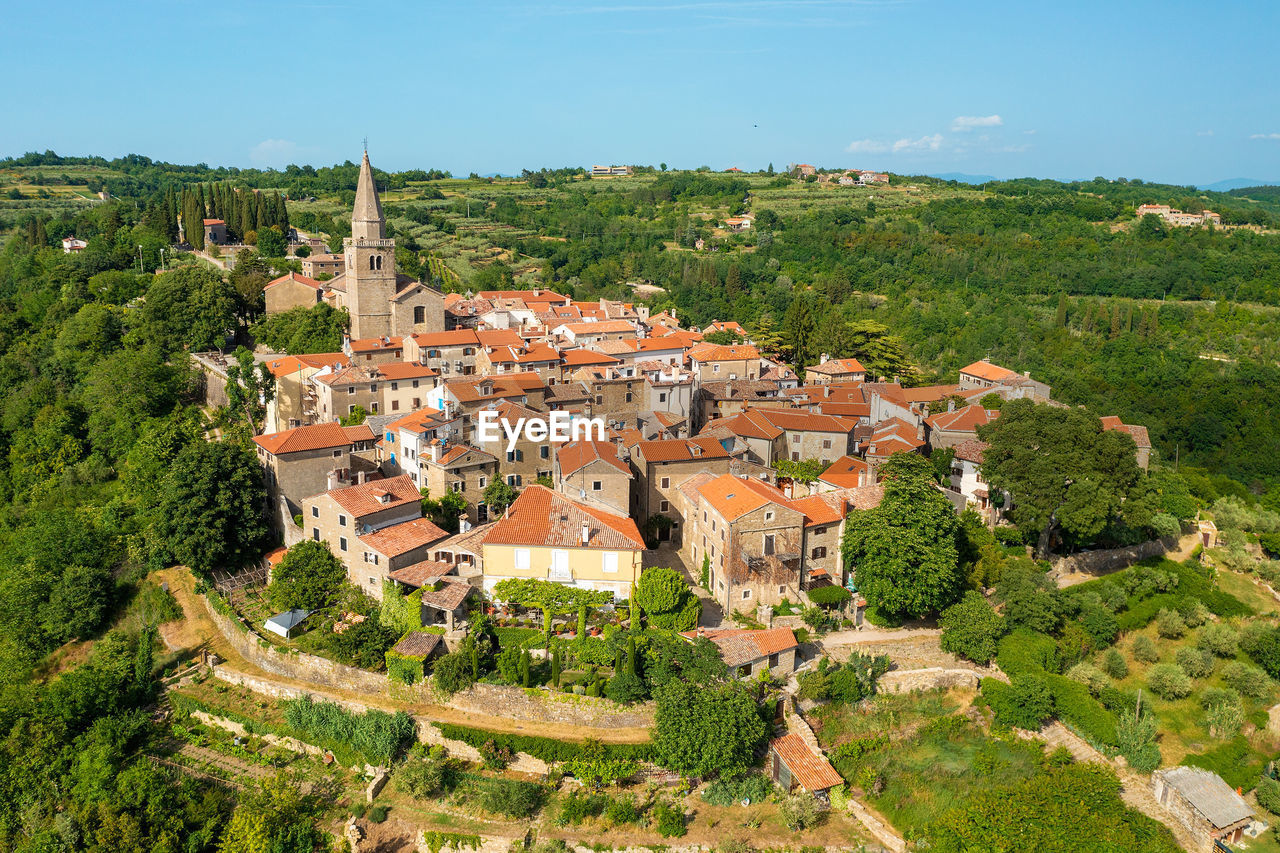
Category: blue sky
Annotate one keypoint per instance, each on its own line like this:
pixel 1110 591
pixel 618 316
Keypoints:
pixel 1170 91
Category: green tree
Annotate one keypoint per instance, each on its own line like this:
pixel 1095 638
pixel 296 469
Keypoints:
pixel 250 388
pixel 706 730
pixel 664 596
pixel 308 578
pixel 971 628
pixel 271 243
pixel 188 308
pixel 301 330
pixel 498 495
pixel 211 505
pixel 904 552
pixel 274 817
pixel 1066 474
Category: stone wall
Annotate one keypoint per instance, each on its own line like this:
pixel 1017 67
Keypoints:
pixel 293 664
pixel 544 706
pixel 932 678
pixel 1114 559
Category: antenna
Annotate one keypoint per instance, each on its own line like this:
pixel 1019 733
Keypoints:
pixel 365 142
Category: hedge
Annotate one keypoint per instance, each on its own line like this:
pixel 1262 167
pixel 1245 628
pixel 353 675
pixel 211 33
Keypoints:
pixel 1025 650
pixel 409 669
pixel 545 748
pixel 1235 761
pixel 1075 705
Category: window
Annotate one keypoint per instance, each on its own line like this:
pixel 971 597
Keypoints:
pixel 511 456
pixel 609 561
pixel 351 389
pixel 519 455
pixel 746 593
pixel 713 525
pixel 662 398
pixel 395 386
pixel 342 543
pixel 315 533
pixel 373 387
pixel 819 552
pixel 795 438
pixel 342 521
pixel 419 314
pixel 337 453
pixel 733 376
pixel 664 506
pixel 768 544
pixel 373 581
pixel 715 368
pixel 415 385
pixel 599 400
pixel 596 486
pixel 826 444
pixel 511 479
pixel 544 452
pixel 768 515
pixel 395 405
pixel 795 457
pixel 773 660
pixel 628 398
pixel 819 531
pixel 521 557
pixel 782 589
pixel 315 512
pixel 664 483
pixel 484 481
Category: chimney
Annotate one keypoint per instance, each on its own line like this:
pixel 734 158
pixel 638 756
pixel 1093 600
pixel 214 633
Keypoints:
pixel 862 478
pixel 1027 374
pixel 824 358
pixel 434 449
pixel 586 533
pixel 702 632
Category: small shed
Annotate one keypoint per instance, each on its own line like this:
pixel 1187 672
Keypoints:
pixel 793 764
pixel 418 644
pixel 447 599
pixel 1203 803
pixel 285 623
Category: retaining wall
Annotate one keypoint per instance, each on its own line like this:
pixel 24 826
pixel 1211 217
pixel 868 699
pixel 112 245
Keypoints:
pixel 544 706
pixel 1111 560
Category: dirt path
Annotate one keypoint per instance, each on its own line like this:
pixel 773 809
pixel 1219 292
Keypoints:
pixel 197 631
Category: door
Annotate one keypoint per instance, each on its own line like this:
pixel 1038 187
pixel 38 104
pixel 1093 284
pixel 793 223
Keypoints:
pixel 560 565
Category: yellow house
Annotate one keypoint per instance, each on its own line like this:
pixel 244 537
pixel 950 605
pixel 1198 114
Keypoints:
pixel 545 535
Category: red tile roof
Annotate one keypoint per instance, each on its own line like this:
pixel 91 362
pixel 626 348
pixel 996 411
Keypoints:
pixel 838 366
pixel 498 337
pixel 368 498
pixel 583 357
pixel 722 352
pixel 800 421
pixel 734 497
pixel 313 437
pixel 456 338
pixel 1139 433
pixel 847 472
pixel 821 509
pixel 740 646
pixel 971 450
pixel 402 538
pixel 450 594
pixel 810 770
pixel 988 371
pixel 678 449
pixel 287 364
pixel 295 277
pixel 374 344
pixel 421 573
pixel 967 419
pixel 543 517
pixel 600 327
pixel 405 370
pixel 574 457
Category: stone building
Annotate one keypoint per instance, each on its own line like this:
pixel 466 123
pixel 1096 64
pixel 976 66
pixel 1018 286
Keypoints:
pixel 459 468
pixel 292 290
pixel 1207 806
pixel 749 652
pixel 298 463
pixel 662 467
pixel 594 473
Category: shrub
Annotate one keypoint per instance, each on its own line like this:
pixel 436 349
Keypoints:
pixel 1219 639
pixel 1090 676
pixel 1211 696
pixel 376 735
pixel 1169 681
pixel 1113 664
pixel 545 748
pixel 377 814
pixel 1268 794
pixel 1144 649
pixel 729 792
pixel 1136 735
pixel 1245 679
pixel 1165 526
pixel 510 797
pixel 670 820
pixel 1100 624
pixel 829 596
pixel 800 812
pixel 580 805
pixel 1197 663
pixel 1026 704
pixel 1262 644
pixel 1027 651
pixel 1194 614
pixel 452 672
pixel 1073 704
pixel 1235 761
pixel 622 810
pixel 971 628
pixel 1224 719
pixel 426 777
pixel 1170 625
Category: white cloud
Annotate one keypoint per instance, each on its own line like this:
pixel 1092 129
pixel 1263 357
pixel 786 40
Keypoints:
pixel 1204 133
pixel 867 146
pixel 924 143
pixel 273 153
pixel 961 124
pixel 1265 136
pixel 1029 132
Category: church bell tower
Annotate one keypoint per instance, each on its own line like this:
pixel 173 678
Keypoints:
pixel 370 271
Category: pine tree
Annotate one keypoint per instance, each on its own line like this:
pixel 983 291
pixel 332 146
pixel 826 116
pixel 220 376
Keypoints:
pixel 1115 321
pixel 733 281
pixel 143 660
pixel 1086 325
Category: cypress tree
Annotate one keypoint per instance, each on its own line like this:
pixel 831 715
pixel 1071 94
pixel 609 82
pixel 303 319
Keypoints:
pixel 555 666
pixel 475 662
pixel 1061 318
pixel 631 655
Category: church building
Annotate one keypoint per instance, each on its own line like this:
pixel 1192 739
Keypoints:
pixel 381 302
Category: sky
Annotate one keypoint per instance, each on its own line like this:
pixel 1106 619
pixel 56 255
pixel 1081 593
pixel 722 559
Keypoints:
pixel 1167 91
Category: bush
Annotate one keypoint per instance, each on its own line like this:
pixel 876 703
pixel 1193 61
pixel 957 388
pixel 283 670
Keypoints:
pixel 622 810
pixel 1268 794
pixel 1025 704
pixel 1113 664
pixel 971 628
pixel 426 777
pixel 1263 646
pixel 452 672
pixel 1165 526
pixel 1073 704
pixel 510 797
pixel 376 735
pixel 377 814
pixel 800 812
pixel 1211 696
pixel 545 748
pixel 1100 624
pixel 664 596
pixel 829 596
pixel 730 792
pixel 1027 651
pixel 1144 649
pixel 1170 625
pixel 670 820
pixel 1136 736
pixel 1224 719
pixel 1245 679
pixel 1090 676
pixel 580 805
pixel 1219 639
pixel 1169 681
pixel 1197 663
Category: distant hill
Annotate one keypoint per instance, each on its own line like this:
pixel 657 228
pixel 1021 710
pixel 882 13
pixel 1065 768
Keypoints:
pixel 963 178
pixel 1268 192
pixel 1234 184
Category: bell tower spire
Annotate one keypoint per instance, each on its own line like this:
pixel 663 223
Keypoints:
pixel 370 261
pixel 367 221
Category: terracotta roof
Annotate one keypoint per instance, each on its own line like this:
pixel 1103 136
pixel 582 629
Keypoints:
pixel 402 538
pixel 313 437
pixel 863 497
pixel 971 450
pixel 734 497
pixel 421 573
pixel 844 473
pixel 214 222
pixel 750 423
pixel 542 517
pixel 967 419
pixel 287 364
pixel 450 595
pixel 498 337
pixel 837 365
pixel 677 449
pixel 523 354
pixel 988 371
pixel 723 352
pixel 539 295
pixel 508 385
pixel 740 646
pixel 374 344
pixel 417 644
pixel 601 327
pixel 845 410
pixel 456 338
pixel 582 357
pixel 726 325
pixel 405 370
pixel 1139 433
pixel 275 555
pixel 574 457
pixel 295 277
pixel 458 451
pixel 810 770
pixel 821 509
pixel 368 498
pixel 798 421
pixel 929 393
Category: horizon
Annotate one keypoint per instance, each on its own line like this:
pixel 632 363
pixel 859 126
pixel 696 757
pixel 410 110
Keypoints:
pixel 908 86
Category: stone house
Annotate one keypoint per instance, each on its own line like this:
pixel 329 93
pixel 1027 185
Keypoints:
pixel 749 652
pixel 668 389
pixel 537 358
pixel 339 517
pixel 528 460
pixel 547 536
pixel 405 439
pixel 955 426
pixel 829 370
pixel 298 463
pixel 724 399
pixel 390 548
pixel 1204 804
pixel 325 263
pixel 808 435
pixel 593 473
pixel 847 472
pixel 449 353
pixel 764 442
pixel 713 362
pixel 890 437
pixel 662 467
pixel 1006 382
pixel 468 396
pixel 586 334
pixel 616 394
pixel 379 388
pixel 294 403
pixel 462 469
pixel 292 290
pixel 794 764
pixel 1137 433
pixel 405 386
pixel 380 350
pixel 215 232
pixel 573 360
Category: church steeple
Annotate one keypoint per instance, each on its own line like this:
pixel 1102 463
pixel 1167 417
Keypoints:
pixel 367 222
